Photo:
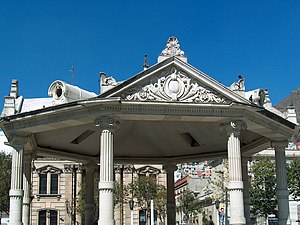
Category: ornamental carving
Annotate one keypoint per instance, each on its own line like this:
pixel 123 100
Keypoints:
pixel 48 169
pixel 172 48
pixel 175 86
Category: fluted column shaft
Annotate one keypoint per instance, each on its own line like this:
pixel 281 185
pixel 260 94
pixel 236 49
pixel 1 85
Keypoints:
pixel 282 186
pixel 246 190
pixel 16 191
pixel 171 213
pixel 235 185
pixel 27 188
pixel 89 198
pixel 106 182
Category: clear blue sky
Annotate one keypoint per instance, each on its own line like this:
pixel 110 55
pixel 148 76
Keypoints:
pixel 41 40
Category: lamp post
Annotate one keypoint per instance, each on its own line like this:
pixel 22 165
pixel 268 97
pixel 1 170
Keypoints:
pixel 131 205
pixel 217 204
pixel 131 201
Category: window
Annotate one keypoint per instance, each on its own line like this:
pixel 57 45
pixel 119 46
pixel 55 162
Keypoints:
pixel 48 217
pixel 54 184
pixel 42 217
pixel 48 180
pixel 43 184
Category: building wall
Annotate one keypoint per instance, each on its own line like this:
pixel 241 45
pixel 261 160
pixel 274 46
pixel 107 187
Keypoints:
pixel 58 202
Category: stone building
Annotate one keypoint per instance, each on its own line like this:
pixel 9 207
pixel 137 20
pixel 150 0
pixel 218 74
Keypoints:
pixel 169 113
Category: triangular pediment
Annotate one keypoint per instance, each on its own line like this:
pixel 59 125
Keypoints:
pixel 174 81
pixel 48 169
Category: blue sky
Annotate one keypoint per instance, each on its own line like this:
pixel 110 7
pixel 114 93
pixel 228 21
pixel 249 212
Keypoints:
pixel 41 40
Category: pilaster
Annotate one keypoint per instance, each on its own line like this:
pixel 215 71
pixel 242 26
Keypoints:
pixel 107 125
pixel 16 192
pixel 27 188
pixel 171 213
pixel 235 185
pixel 245 173
pixel 89 199
pixel 281 179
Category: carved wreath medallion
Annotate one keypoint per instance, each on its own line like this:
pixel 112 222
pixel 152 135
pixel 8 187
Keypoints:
pixel 175 86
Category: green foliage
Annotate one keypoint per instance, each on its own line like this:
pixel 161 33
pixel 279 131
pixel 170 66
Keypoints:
pixel 5 175
pixel 293 171
pixel 80 205
pixel 160 202
pixel 263 187
pixel 189 204
pixel 120 192
pixel 144 189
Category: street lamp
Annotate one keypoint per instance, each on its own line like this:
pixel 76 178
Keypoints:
pixel 217 204
pixel 131 201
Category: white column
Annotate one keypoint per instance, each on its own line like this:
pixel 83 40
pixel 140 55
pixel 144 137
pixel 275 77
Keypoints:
pixel 281 179
pixel 106 182
pixel 16 191
pixel 89 198
pixel 152 212
pixel 246 189
pixel 27 188
pixel 235 185
pixel 171 213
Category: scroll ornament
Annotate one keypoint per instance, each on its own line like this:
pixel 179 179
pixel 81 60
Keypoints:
pixel 175 87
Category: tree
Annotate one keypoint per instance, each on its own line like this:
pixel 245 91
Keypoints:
pixel 144 189
pixel 189 204
pixel 263 188
pixel 293 171
pixel 5 174
pixel 160 203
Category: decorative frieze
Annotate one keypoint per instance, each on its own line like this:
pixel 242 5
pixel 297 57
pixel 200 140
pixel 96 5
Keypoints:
pixel 175 86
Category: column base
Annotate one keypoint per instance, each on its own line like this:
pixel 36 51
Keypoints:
pixel 106 222
pixel 14 223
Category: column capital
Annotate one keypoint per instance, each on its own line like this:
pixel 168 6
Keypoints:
pixel 279 145
pixel 234 126
pixel 170 167
pixel 107 123
pixel 17 141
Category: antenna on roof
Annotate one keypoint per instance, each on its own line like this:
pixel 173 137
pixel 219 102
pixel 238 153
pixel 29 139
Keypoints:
pixel 73 74
pixel 145 65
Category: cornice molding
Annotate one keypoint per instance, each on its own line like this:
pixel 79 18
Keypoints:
pixel 130 108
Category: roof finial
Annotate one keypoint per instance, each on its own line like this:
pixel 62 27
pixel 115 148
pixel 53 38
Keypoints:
pixel 73 74
pixel 145 65
pixel 172 49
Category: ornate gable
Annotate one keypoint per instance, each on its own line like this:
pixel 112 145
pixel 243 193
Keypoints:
pixel 174 85
pixel 48 169
pixel 148 170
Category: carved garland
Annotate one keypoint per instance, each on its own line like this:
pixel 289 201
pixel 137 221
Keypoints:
pixel 175 87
